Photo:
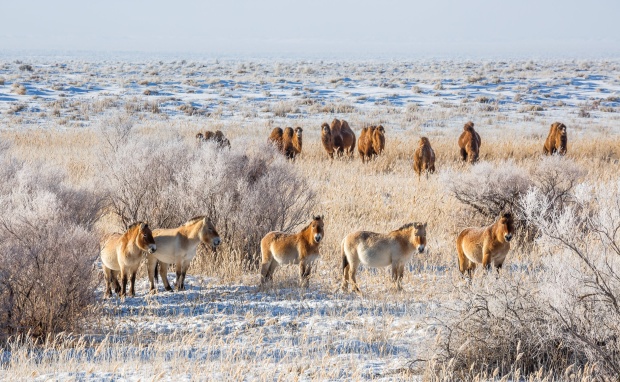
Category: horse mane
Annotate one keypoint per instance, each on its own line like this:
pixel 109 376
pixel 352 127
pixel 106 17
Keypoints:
pixel 133 225
pixel 469 126
pixel 406 226
pixel 194 220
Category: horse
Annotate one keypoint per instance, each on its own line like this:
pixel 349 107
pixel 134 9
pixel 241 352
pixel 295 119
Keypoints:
pixel 122 253
pixel 178 246
pixel 279 248
pixel 381 250
pixel 485 245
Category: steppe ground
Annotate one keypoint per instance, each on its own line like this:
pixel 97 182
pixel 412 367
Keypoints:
pixel 224 327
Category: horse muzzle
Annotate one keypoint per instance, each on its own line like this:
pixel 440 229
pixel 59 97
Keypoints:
pixel 420 248
pixel 217 241
pixel 318 237
pixel 508 237
pixel 152 248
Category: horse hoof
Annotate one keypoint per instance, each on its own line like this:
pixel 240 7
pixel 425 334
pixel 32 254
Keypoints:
pixel 153 291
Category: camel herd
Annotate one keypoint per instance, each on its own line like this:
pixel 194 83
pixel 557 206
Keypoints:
pixel 338 139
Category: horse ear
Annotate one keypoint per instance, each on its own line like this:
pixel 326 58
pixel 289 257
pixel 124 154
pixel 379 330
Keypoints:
pixel 143 226
pixel 425 223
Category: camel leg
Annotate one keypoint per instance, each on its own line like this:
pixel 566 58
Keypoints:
pixel 464 155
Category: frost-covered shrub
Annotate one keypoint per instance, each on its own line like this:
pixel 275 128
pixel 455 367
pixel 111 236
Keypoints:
pixel 499 328
pixel 489 188
pixel 559 321
pixel 47 249
pixel 581 243
pixel 247 192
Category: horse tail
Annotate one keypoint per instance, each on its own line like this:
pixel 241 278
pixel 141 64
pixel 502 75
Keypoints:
pixel 156 271
pixel 345 261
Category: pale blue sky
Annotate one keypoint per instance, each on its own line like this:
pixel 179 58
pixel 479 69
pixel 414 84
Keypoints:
pixel 343 28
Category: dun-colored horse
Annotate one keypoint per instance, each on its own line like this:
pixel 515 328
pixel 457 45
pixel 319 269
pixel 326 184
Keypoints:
pixel 178 246
pixel 122 253
pixel 381 250
pixel 279 248
pixel 485 245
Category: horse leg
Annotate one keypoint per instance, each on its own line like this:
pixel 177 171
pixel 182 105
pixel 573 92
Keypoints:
pixel 352 274
pixel 179 271
pixel 265 273
pixel 345 277
pixel 306 275
pixel 486 258
pixel 401 272
pixel 107 275
pixel 132 289
pixel 115 283
pixel 184 273
pixel 152 268
pixel 163 273
pixel 395 277
pixel 302 271
pixel 123 282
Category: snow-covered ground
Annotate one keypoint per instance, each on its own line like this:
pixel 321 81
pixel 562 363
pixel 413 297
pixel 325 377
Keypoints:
pixel 235 331
pixel 73 92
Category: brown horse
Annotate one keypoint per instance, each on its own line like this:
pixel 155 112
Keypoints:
pixel 178 246
pixel 279 248
pixel 469 143
pixel 381 250
pixel 365 144
pixel 123 253
pixel 556 140
pixel 485 245
pixel 424 158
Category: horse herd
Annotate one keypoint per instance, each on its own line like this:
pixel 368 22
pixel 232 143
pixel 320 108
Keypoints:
pixel 122 254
